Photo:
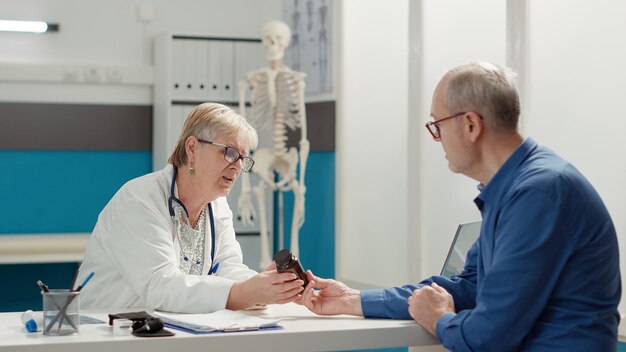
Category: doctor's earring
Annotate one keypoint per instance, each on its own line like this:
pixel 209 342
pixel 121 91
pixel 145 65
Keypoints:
pixel 191 169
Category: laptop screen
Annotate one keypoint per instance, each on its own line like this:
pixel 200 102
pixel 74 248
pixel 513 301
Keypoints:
pixel 466 235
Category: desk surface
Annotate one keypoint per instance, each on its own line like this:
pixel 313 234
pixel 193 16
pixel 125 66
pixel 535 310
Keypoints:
pixel 303 331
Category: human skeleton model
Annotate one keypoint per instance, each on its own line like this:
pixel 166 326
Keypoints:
pixel 277 103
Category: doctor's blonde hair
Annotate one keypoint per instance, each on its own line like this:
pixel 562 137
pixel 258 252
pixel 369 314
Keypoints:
pixel 208 121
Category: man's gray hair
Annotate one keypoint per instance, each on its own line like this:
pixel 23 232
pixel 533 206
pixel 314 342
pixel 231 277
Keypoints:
pixel 486 89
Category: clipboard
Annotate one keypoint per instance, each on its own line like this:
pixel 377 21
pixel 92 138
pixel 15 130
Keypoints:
pixel 220 321
pixel 180 328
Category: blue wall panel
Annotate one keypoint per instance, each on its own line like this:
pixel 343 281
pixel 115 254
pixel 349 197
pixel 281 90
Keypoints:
pixel 55 191
pixel 62 191
pixel 317 235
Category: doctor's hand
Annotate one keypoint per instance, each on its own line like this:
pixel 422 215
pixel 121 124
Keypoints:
pixel 428 304
pixel 271 266
pixel 333 297
pixel 267 287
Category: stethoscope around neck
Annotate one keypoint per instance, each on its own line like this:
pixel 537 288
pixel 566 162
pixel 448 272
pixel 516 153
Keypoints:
pixel 170 203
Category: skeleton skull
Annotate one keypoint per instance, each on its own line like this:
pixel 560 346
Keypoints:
pixel 276 36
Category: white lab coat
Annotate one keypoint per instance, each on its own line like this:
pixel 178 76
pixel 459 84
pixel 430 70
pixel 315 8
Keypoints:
pixel 134 253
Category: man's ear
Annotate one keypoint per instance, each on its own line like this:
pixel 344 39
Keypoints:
pixel 474 124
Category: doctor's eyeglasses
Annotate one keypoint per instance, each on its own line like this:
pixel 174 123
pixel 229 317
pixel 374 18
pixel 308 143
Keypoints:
pixel 232 155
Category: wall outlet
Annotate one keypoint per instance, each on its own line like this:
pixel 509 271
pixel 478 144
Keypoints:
pixel 71 75
pixel 92 74
pixel 113 75
pixel 145 12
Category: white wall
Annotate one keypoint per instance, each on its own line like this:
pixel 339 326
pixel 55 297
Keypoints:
pixel 111 34
pixel 454 32
pixel 573 74
pixel 371 175
pixel 111 31
pixel 572 98
pixel 575 96
pixel 397 212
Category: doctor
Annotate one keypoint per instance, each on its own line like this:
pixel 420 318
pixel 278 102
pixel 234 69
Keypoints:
pixel 166 240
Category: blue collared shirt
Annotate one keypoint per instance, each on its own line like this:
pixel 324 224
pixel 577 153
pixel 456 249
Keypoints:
pixel 544 273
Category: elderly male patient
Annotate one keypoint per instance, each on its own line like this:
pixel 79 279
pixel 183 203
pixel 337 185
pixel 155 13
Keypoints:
pixel 544 273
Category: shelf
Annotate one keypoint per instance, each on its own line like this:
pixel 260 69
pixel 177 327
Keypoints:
pixel 42 248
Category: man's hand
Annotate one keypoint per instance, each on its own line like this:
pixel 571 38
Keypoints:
pixel 332 298
pixel 429 303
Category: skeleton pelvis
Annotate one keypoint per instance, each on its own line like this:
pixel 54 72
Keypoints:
pixel 266 162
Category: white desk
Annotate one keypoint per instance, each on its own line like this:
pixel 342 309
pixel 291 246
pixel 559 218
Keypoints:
pixel 303 331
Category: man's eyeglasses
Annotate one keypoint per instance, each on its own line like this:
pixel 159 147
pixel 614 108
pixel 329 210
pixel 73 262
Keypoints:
pixel 232 156
pixel 432 127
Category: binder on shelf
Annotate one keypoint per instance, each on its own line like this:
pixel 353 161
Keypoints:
pixel 184 56
pixel 199 70
pixel 229 88
pixel 221 321
pixel 220 73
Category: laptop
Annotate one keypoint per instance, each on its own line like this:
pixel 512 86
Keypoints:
pixel 466 235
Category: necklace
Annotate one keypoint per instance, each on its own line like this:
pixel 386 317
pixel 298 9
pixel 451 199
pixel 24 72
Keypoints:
pixel 191 240
pixel 200 216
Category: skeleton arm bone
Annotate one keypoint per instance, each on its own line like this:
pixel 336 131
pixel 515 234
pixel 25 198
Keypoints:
pixel 246 208
pixel 298 215
pixel 304 153
pixel 304 142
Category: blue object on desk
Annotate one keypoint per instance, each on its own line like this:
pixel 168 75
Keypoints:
pixel 32 322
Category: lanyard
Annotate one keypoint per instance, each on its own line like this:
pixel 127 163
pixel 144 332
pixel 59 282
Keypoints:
pixel 170 203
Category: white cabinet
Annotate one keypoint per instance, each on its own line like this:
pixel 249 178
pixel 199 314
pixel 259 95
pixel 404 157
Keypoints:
pixel 199 68
pixel 193 69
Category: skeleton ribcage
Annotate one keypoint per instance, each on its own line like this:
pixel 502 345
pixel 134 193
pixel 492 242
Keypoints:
pixel 277 112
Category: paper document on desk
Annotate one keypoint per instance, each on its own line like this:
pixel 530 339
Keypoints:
pixel 222 320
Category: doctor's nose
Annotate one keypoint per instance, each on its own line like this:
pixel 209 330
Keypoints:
pixel 238 165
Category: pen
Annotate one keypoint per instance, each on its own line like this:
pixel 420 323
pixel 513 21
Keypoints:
pixel 80 287
pixel 43 286
pixel 214 268
pixel 63 312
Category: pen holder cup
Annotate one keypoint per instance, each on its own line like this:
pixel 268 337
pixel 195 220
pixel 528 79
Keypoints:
pixel 60 312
